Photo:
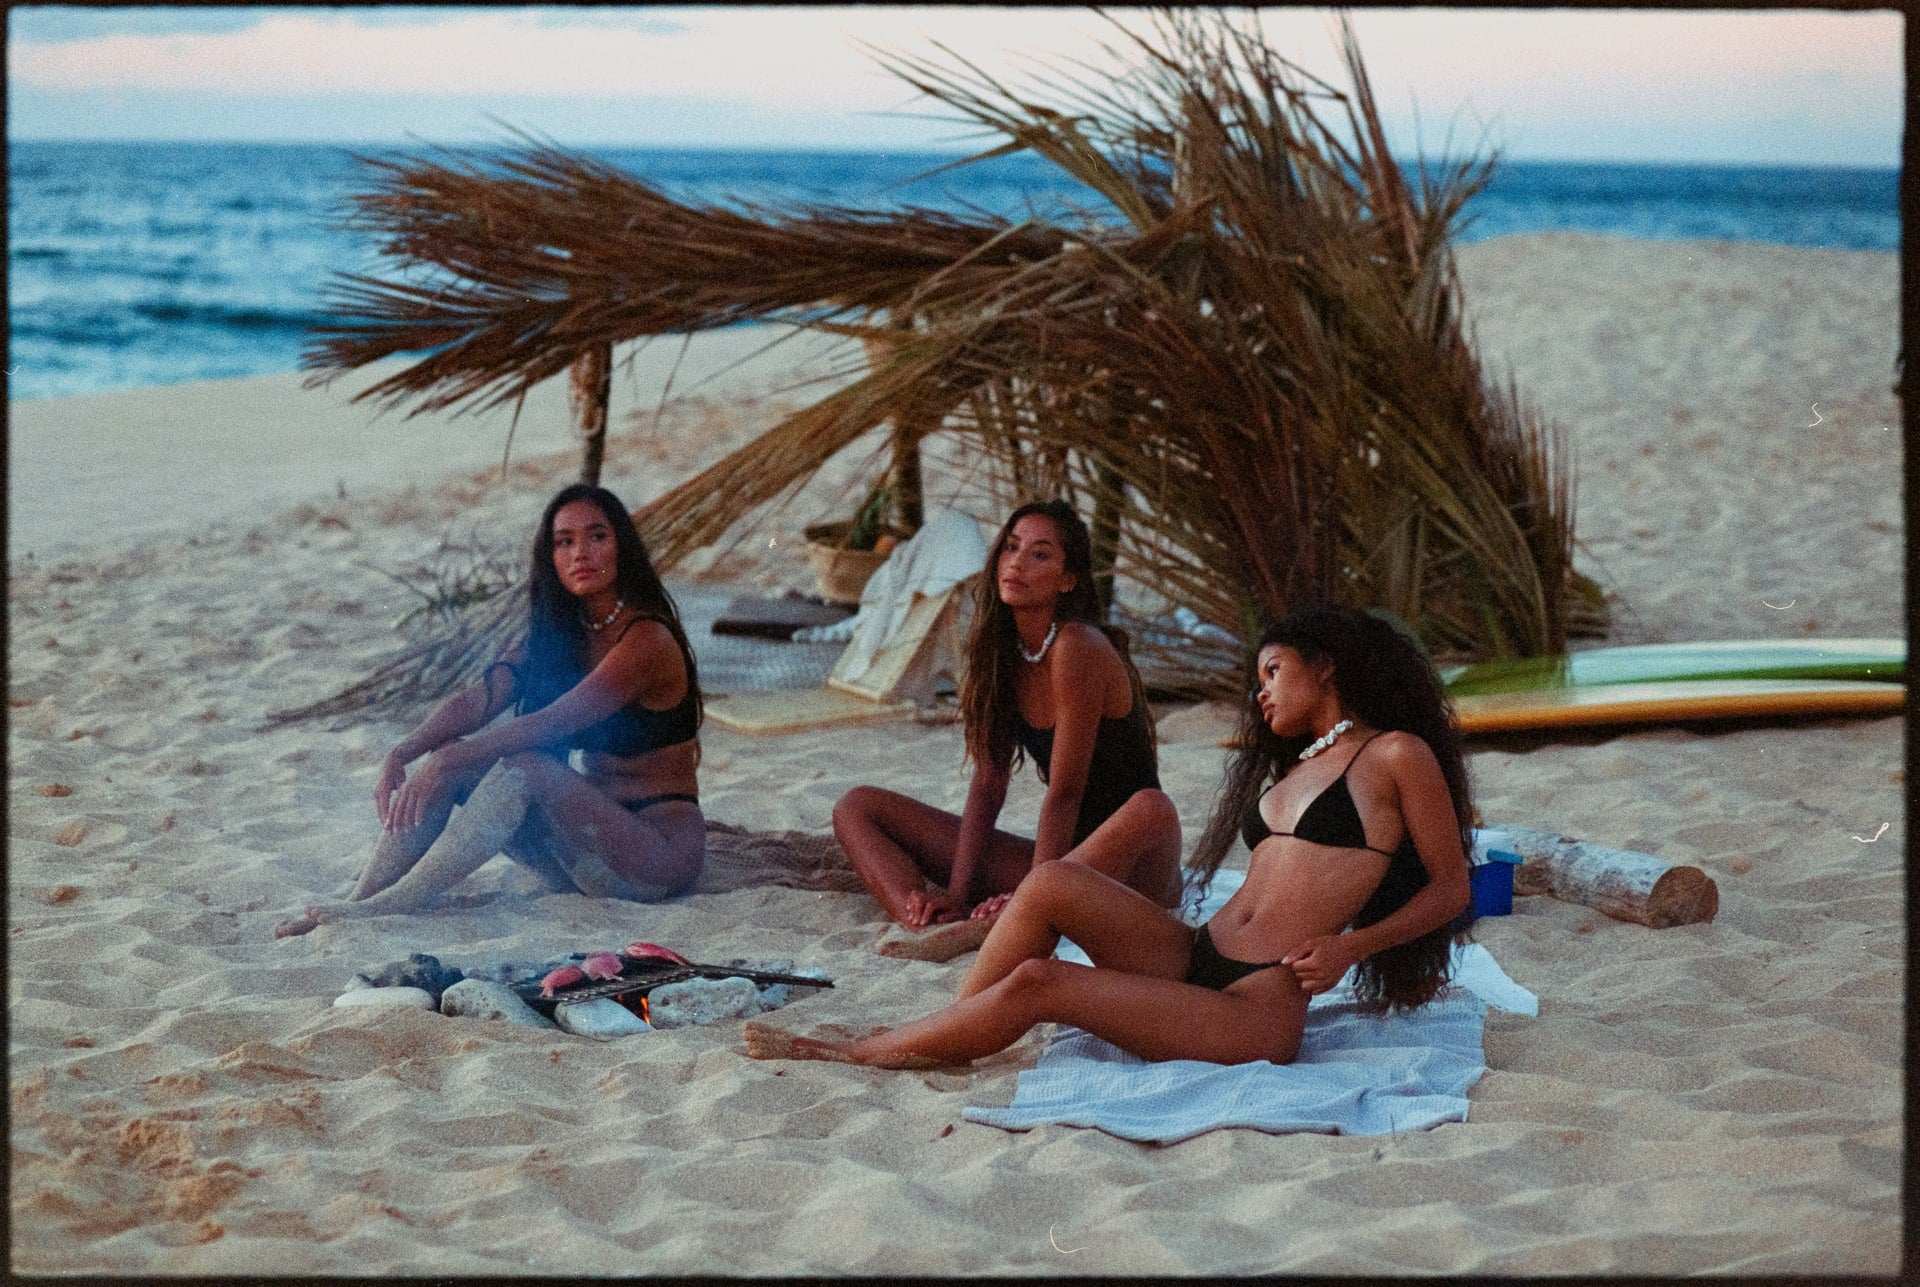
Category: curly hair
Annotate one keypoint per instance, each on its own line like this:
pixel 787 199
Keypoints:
pixel 1384 679
pixel 556 629
pixel 988 698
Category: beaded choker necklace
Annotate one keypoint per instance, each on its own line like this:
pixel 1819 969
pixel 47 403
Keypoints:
pixel 1044 644
pixel 619 605
pixel 1333 735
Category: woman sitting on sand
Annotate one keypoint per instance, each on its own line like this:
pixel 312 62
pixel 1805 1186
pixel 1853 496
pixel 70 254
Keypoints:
pixel 1043 677
pixel 1359 857
pixel 605 668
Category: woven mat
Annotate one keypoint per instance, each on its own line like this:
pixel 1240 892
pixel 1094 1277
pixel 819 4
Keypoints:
pixel 742 859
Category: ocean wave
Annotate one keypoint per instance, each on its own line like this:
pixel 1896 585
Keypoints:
pixel 239 318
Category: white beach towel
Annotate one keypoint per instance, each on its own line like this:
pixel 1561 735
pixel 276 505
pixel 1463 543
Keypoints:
pixel 1356 1074
pixel 945 551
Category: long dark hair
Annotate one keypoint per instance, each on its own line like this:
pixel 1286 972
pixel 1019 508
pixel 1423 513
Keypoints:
pixel 1384 679
pixel 556 627
pixel 989 699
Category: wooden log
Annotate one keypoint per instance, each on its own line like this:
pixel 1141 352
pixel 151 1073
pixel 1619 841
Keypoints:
pixel 590 390
pixel 1104 532
pixel 1625 885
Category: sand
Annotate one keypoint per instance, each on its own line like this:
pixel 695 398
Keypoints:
pixel 1714 1098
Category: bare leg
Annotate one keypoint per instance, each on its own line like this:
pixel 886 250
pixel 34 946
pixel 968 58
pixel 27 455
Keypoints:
pixel 397 851
pixel 1260 1017
pixel 1119 928
pixel 1139 846
pixel 578 837
pixel 897 844
pixel 1133 997
pixel 531 802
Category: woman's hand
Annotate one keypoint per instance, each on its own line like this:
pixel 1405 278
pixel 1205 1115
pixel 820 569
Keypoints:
pixel 989 908
pixel 1319 963
pixel 392 774
pixel 929 907
pixel 407 809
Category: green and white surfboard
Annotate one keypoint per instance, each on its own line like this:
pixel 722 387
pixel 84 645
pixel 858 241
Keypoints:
pixel 1657 682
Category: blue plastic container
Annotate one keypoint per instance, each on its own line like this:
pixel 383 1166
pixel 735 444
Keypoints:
pixel 1492 883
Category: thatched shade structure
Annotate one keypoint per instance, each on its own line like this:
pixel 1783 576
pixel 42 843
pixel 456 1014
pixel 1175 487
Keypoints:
pixel 1250 368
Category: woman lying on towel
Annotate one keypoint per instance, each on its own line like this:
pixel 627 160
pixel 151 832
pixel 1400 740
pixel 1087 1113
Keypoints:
pixel 1359 858
pixel 1043 679
pixel 606 669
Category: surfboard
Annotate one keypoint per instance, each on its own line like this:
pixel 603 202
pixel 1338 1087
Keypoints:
pixel 1671 701
pixel 1875 660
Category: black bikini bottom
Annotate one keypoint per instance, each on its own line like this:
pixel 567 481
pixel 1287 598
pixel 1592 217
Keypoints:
pixel 1208 969
pixel 648 801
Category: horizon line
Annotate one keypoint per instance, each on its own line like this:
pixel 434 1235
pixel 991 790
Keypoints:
pixel 944 153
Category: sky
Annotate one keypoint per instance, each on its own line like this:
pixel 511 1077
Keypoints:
pixel 1797 87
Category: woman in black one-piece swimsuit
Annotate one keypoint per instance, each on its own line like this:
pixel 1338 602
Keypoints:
pixel 1043 679
pixel 605 669
pixel 1358 860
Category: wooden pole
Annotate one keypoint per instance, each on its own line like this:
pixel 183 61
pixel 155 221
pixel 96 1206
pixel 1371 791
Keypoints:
pixel 908 494
pixel 1104 532
pixel 589 390
pixel 1625 885
pixel 909 503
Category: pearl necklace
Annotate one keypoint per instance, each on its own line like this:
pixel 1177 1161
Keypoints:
pixel 619 606
pixel 1044 644
pixel 1333 735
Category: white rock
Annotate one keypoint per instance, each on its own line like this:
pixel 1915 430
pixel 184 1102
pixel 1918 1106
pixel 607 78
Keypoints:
pixel 386 998
pixel 681 1005
pixel 480 999
pixel 602 1018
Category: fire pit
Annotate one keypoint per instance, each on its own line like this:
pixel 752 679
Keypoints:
pixel 601 994
pixel 638 977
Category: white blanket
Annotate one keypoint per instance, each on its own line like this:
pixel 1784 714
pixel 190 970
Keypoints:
pixel 1356 1074
pixel 945 551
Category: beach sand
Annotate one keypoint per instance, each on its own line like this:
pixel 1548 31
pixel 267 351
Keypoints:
pixel 1713 1098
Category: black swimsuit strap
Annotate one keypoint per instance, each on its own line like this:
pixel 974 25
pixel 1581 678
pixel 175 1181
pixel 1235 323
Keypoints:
pixel 658 710
pixel 1356 813
pixel 1356 755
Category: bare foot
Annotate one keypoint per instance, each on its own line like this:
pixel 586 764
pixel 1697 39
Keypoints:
pixel 764 1041
pixel 305 923
pixel 939 943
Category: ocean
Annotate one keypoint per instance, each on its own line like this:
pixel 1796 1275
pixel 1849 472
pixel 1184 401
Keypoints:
pixel 134 265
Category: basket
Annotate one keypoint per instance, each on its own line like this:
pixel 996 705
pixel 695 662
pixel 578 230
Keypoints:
pixel 842 573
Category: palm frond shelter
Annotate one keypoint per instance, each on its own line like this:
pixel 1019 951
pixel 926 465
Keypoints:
pixel 1248 368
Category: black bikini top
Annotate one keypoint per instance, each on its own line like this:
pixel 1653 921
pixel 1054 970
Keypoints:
pixel 635 729
pixel 1331 819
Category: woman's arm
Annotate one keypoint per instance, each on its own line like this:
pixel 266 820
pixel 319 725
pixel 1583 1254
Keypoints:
pixel 469 709
pixel 645 653
pixel 1426 806
pixel 1079 697
pixel 623 674
pixel 985 796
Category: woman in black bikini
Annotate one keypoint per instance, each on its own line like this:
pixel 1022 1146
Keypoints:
pixel 1359 857
pixel 605 669
pixel 1043 678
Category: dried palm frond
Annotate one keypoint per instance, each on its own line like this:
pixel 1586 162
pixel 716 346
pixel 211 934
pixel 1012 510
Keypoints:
pixel 1253 372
